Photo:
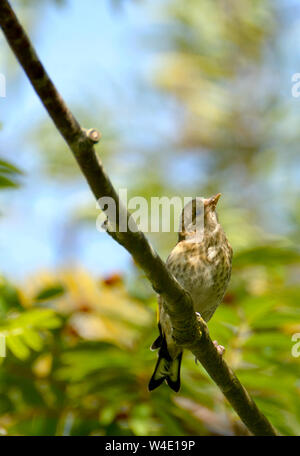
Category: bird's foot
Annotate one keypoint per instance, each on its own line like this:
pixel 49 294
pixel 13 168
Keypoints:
pixel 220 348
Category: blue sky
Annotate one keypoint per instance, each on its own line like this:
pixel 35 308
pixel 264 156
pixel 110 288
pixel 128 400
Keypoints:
pixel 85 41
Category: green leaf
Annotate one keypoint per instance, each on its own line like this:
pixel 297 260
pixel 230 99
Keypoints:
pixel 22 331
pixel 6 183
pixel 8 168
pixel 32 339
pixel 17 346
pixel 50 292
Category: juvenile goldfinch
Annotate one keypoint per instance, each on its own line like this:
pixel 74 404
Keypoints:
pixel 201 262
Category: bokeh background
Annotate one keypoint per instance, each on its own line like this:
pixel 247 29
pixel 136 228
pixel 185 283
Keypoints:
pixel 192 98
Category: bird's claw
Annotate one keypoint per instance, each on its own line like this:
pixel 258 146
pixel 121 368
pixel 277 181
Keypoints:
pixel 220 348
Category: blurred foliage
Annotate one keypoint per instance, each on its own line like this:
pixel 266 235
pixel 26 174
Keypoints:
pixel 78 358
pixel 216 57
pixel 222 63
pixel 9 175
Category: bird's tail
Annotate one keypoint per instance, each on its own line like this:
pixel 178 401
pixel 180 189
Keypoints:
pixel 166 368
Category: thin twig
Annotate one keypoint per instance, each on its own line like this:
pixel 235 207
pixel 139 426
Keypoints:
pixel 189 332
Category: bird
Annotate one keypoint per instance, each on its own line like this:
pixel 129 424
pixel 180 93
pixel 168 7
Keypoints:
pixel 201 262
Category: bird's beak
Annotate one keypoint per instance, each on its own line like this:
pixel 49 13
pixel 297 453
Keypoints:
pixel 213 201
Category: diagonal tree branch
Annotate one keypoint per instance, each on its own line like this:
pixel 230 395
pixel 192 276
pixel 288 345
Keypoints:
pixel 189 332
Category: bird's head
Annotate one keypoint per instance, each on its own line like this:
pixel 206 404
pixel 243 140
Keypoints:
pixel 198 215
